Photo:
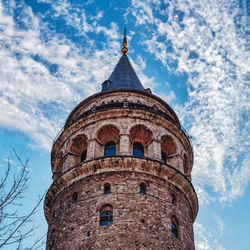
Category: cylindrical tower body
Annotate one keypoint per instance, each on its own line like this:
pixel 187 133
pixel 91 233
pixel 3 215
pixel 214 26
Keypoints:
pixel 149 194
pixel 121 172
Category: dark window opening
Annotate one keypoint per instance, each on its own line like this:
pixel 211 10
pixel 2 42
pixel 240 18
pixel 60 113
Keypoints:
pixel 163 156
pixel 138 149
pixel 75 197
pixel 84 155
pixel 106 218
pixel 142 188
pixel 107 188
pixel 110 149
pixel 88 234
pixel 105 86
pixel 142 220
pixel 174 226
pixel 173 199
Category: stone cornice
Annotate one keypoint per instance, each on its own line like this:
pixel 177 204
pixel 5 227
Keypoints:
pixel 118 164
pixel 91 99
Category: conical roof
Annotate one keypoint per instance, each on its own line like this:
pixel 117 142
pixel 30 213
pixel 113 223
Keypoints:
pixel 124 76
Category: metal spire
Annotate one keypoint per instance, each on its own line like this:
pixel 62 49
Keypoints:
pixel 124 44
pixel 123 76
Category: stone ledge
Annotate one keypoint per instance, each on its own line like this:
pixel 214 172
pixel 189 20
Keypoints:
pixel 122 163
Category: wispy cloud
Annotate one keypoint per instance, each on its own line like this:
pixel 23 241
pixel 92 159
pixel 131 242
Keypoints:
pixel 202 40
pixel 207 238
pixel 45 74
pixel 42 80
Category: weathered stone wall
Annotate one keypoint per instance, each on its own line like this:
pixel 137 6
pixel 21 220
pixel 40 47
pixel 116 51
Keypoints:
pixel 140 221
pixel 126 121
pixel 121 163
pixel 129 96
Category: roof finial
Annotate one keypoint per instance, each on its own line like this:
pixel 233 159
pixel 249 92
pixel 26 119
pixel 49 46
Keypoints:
pixel 124 44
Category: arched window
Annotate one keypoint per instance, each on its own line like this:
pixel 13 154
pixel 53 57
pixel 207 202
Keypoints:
pixel 84 155
pixel 174 226
pixel 105 85
pixel 141 133
pixel 163 156
pixel 138 149
pixel 106 215
pixel 110 149
pixel 168 146
pixel 75 197
pixel 142 188
pixel 173 199
pixel 79 144
pixel 106 188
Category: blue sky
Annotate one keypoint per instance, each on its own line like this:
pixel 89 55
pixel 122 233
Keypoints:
pixel 193 54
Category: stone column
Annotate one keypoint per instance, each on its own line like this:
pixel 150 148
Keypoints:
pixel 70 160
pixel 124 148
pixel 91 149
pixel 176 161
pixel 154 150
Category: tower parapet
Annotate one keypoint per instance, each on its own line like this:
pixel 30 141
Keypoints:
pixel 121 172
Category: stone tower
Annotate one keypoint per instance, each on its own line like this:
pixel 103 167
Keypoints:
pixel 121 172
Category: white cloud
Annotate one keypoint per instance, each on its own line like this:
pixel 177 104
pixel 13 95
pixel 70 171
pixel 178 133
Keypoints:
pixel 141 62
pixel 110 33
pixel 206 237
pixel 204 197
pixel 98 16
pixel 33 99
pixel 142 11
pixel 45 78
pixel 206 45
pixel 167 98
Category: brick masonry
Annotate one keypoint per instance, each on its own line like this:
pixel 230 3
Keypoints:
pixel 140 221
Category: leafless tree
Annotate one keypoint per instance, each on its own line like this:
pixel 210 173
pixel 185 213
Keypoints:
pixel 15 227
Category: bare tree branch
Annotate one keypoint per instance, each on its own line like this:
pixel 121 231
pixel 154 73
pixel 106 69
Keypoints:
pixel 14 226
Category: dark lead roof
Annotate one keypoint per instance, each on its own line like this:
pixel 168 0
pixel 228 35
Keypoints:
pixel 123 77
